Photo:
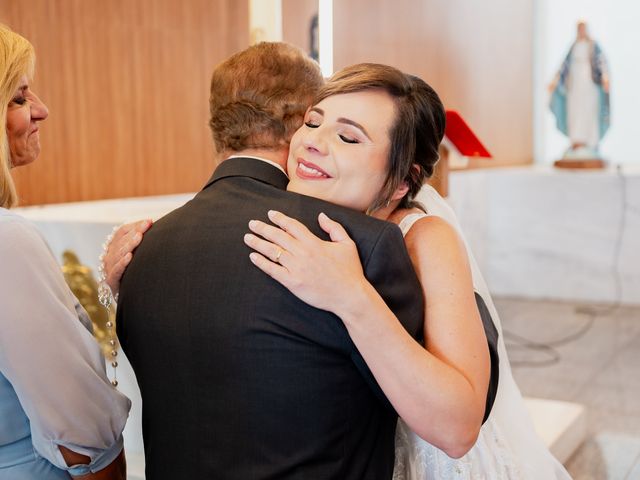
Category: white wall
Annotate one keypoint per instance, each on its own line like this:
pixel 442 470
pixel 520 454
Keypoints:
pixel 265 20
pixel 615 24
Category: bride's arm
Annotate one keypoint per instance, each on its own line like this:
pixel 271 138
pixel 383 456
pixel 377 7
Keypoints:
pixel 440 392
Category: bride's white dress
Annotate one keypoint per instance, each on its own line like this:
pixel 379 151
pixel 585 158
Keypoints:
pixel 507 447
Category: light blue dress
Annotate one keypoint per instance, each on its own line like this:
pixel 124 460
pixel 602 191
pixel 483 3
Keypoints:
pixel 53 386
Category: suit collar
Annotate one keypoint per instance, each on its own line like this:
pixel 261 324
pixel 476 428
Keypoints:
pixel 249 167
pixel 270 162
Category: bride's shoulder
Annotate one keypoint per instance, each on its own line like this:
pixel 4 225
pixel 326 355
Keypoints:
pixel 415 222
pixel 425 232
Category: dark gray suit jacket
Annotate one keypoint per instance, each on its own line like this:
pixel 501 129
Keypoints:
pixel 239 378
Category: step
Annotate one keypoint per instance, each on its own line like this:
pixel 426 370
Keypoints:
pixel 561 425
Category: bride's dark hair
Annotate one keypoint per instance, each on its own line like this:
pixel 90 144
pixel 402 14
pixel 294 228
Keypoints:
pixel 416 132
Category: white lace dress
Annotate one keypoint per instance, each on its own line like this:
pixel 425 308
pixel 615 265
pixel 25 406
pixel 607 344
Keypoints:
pixel 507 447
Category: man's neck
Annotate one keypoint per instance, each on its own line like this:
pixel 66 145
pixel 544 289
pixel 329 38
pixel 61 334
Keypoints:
pixel 277 156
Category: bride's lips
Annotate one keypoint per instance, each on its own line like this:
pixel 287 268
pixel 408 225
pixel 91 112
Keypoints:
pixel 310 171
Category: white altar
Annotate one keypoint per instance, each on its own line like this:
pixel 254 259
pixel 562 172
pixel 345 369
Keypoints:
pixel 541 232
pixel 537 232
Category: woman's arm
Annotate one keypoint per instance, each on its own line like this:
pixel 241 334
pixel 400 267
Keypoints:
pixel 116 470
pixel 52 361
pixel 440 392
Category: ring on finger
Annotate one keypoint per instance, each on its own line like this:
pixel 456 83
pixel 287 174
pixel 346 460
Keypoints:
pixel 278 255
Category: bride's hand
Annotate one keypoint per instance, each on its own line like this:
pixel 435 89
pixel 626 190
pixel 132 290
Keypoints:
pixel 120 251
pixel 324 274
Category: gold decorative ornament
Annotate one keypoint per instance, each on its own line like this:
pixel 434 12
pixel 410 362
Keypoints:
pixel 82 283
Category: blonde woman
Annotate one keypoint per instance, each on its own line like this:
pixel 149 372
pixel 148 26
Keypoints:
pixel 60 417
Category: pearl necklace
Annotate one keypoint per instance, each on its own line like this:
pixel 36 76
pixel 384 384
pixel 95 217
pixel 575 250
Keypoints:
pixel 108 300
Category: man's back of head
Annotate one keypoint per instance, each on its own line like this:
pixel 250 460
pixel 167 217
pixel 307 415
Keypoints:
pixel 259 97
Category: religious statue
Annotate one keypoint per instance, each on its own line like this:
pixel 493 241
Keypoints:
pixel 580 97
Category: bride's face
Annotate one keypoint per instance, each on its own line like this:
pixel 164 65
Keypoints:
pixel 340 154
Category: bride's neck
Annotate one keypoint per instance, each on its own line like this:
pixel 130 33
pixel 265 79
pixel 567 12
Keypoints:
pixel 387 213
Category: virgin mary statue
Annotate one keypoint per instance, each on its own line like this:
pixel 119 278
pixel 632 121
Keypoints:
pixel 580 96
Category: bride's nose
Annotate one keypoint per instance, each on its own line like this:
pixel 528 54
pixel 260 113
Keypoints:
pixel 314 142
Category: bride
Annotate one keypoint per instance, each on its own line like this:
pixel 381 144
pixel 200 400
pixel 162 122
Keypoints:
pixel 368 142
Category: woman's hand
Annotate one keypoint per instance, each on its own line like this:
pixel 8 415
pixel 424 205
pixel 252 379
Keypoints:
pixel 324 274
pixel 120 251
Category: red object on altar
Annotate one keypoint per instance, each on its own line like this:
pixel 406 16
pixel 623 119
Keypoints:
pixel 462 137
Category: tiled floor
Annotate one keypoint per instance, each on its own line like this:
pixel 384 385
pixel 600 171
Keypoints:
pixel 600 369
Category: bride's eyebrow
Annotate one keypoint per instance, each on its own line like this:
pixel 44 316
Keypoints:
pixel 355 124
pixel 346 121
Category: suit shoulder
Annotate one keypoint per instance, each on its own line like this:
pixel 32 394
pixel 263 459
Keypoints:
pixel 346 216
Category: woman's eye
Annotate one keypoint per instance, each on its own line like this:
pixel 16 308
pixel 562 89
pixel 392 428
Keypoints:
pixel 19 100
pixel 311 124
pixel 348 140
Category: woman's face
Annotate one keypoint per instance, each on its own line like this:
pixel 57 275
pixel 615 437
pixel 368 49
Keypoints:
pixel 23 114
pixel 340 154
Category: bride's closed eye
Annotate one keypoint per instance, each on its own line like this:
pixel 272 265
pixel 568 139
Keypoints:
pixel 347 139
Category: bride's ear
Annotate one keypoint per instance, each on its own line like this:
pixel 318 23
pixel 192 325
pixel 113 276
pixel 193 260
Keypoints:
pixel 400 192
pixel 403 188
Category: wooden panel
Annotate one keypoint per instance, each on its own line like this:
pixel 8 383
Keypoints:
pixel 296 22
pixel 127 86
pixel 477 55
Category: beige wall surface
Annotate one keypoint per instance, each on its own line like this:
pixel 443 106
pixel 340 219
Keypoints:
pixel 126 83
pixel 296 22
pixel 477 55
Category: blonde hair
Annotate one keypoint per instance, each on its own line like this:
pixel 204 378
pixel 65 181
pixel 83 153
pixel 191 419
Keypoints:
pixel 259 96
pixel 17 58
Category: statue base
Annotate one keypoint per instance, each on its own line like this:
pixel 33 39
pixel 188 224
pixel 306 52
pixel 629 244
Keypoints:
pixel 581 157
pixel 593 163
